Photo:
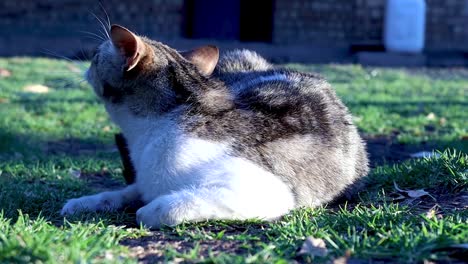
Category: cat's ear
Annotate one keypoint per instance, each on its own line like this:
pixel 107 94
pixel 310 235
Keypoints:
pixel 204 58
pixel 128 44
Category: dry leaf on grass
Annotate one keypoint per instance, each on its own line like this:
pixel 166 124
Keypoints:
pixel 412 193
pixel 425 154
pixel 36 88
pixel 443 121
pixel 314 247
pixel 431 116
pixel 75 173
pixel 434 212
pixel 5 73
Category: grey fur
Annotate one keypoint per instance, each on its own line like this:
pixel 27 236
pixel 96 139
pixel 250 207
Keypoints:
pixel 288 122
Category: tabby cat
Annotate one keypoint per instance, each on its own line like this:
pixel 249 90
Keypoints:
pixel 228 138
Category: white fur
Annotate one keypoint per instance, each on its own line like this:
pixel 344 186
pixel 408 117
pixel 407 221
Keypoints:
pixel 183 178
pixel 105 201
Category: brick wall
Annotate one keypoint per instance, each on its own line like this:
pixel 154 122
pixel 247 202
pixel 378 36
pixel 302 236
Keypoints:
pixel 27 24
pixel 38 21
pixel 447 24
pixel 303 21
pixel 56 17
pixel 361 22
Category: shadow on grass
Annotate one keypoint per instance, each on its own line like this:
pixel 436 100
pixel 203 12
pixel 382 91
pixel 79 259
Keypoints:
pixel 385 149
pixel 16 145
pixel 37 176
pixel 43 181
pixel 41 187
pixel 167 243
pixel 43 104
pixel 406 107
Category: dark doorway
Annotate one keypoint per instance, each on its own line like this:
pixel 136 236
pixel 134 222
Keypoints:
pixel 256 23
pixel 229 19
pixel 212 19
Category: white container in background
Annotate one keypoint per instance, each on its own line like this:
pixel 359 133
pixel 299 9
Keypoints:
pixel 405 22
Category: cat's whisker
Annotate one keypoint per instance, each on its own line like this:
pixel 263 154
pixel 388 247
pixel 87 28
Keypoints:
pixel 70 81
pixel 106 34
pixel 66 74
pixel 75 76
pixel 107 15
pixel 94 38
pixel 98 37
pixel 80 67
pixel 83 53
pixel 77 58
pixel 54 54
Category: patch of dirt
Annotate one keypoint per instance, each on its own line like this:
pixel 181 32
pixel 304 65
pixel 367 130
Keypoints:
pixel 385 149
pixel 438 203
pixel 152 249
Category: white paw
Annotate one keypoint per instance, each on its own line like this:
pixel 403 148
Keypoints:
pixel 159 213
pixel 91 203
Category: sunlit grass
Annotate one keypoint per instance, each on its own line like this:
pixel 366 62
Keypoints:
pixel 59 144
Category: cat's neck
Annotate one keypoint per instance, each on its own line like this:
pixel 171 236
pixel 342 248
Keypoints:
pixel 132 127
pixel 135 128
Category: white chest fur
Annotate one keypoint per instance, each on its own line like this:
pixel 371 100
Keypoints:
pixel 166 159
pixel 169 161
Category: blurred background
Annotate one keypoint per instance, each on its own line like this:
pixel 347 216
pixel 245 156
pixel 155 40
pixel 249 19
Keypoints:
pixel 312 31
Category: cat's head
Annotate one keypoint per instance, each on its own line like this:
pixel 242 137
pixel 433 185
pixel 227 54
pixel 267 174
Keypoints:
pixel 145 76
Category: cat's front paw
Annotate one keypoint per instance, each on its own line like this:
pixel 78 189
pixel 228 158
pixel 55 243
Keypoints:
pixel 91 203
pixel 156 215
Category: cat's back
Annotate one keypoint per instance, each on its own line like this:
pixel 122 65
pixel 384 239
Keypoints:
pixel 284 93
pixel 290 123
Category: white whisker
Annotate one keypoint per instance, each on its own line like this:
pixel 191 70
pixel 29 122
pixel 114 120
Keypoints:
pixel 52 53
pixel 82 52
pixel 73 62
pixel 93 38
pixel 102 25
pixel 107 15
pixel 93 34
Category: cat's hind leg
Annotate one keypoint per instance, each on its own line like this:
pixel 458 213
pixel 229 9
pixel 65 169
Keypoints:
pixel 105 201
pixel 243 191
pixel 185 205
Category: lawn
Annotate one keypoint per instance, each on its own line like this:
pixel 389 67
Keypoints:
pixel 56 142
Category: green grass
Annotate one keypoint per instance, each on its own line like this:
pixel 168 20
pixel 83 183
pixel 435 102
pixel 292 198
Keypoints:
pixel 48 140
pixel 416 107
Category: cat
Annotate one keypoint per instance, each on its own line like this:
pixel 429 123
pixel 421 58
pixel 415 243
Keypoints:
pixel 128 171
pixel 220 138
